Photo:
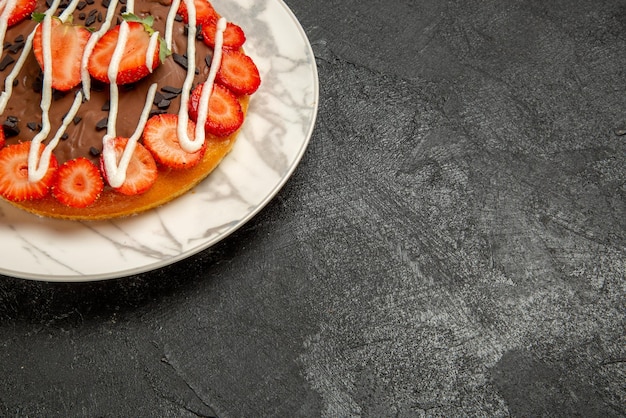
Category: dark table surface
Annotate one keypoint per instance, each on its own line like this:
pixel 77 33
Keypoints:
pixel 452 244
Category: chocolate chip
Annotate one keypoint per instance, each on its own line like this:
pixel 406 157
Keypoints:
pixel 10 126
pixel 81 5
pixel 94 151
pixel 106 106
pixel 157 98
pixel 100 15
pixel 208 59
pixel 82 16
pixel 178 18
pixel 15 82
pixel 105 3
pixel 169 96
pixel 172 89
pixel 180 60
pixel 16 47
pixel 102 124
pixel 6 61
pixel 90 20
pixel 32 126
pixel 38 83
pixel 163 104
pixel 64 136
pixel 90 2
pixel 19 38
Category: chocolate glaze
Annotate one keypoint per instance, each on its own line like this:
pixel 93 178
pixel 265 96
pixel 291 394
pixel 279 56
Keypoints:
pixel 81 137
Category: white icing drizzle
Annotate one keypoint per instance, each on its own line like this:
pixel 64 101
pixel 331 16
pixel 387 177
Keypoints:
pixel 9 5
pixel 169 23
pixel 114 66
pixel 186 143
pixel 38 164
pixel 207 88
pixel 152 46
pixel 91 44
pixel 116 174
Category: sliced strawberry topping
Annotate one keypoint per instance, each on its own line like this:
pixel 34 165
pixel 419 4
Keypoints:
pixel 204 11
pixel 2 138
pixel 142 169
pixel 225 114
pixel 22 10
pixel 67 42
pixel 239 73
pixel 133 66
pixel 234 37
pixel 161 139
pixel 14 183
pixel 78 183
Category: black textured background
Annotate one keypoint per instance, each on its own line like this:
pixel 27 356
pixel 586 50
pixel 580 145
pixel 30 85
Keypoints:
pixel 452 244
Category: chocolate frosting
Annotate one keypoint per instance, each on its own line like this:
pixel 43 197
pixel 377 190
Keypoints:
pixel 83 137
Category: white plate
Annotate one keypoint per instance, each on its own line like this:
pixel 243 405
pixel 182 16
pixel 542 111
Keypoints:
pixel 277 130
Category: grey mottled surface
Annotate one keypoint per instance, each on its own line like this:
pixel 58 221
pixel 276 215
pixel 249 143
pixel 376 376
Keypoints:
pixel 452 244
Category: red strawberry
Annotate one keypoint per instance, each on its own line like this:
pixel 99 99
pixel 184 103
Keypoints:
pixel 22 10
pixel 204 11
pixel 2 138
pixel 161 139
pixel 67 43
pixel 78 183
pixel 133 66
pixel 239 73
pixel 225 114
pixel 142 169
pixel 14 183
pixel 234 37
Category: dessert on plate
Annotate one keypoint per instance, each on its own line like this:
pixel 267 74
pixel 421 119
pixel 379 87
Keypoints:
pixel 113 107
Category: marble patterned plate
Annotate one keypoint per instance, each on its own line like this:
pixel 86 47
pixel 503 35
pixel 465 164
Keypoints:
pixel 277 130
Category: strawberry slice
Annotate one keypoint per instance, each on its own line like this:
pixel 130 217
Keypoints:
pixel 67 42
pixel 225 114
pixel 2 138
pixel 142 169
pixel 22 10
pixel 234 36
pixel 78 183
pixel 204 11
pixel 133 66
pixel 238 73
pixel 14 183
pixel 161 139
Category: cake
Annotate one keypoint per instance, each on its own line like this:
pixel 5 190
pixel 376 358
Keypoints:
pixel 132 112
